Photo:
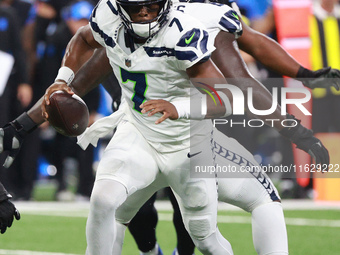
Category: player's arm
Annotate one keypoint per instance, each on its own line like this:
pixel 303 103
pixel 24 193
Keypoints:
pixel 78 51
pixel 273 56
pixel 13 133
pixel 208 72
pixel 235 68
pixel 229 61
pixel 268 52
pixel 89 76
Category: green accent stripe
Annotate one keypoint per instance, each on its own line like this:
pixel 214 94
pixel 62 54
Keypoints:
pixel 208 92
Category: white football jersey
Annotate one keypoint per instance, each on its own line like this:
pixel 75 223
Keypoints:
pixel 215 17
pixel 155 70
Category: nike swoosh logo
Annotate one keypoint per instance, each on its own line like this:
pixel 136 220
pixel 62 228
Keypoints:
pixel 193 155
pixel 187 41
pixel 235 15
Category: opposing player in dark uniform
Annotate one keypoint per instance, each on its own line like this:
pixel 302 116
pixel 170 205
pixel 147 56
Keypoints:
pixel 17 92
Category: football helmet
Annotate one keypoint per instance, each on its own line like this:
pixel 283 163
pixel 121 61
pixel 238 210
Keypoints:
pixel 146 29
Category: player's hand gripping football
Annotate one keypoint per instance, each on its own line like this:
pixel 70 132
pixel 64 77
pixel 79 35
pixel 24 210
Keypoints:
pixel 59 85
pixel 7 214
pixel 166 108
pixel 304 140
pixel 323 78
pixel 12 136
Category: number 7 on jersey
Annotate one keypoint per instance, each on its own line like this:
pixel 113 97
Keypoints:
pixel 140 86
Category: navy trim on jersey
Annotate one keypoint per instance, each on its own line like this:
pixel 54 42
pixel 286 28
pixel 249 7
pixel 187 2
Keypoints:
pixel 241 161
pixel 112 8
pixel 107 39
pixel 190 38
pixel 186 55
pixel 204 42
pixel 159 51
pixel 224 22
pixel 205 59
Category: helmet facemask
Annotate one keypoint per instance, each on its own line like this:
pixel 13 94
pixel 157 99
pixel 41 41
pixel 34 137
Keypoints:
pixel 145 29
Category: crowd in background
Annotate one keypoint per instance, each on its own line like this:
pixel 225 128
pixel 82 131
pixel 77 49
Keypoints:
pixel 35 34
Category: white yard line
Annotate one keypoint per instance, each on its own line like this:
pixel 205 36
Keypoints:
pixel 220 218
pixel 247 220
pixel 288 204
pixel 21 252
pixel 81 210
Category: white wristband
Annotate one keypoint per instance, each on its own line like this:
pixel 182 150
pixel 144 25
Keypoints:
pixel 66 74
pixel 194 108
pixel 183 108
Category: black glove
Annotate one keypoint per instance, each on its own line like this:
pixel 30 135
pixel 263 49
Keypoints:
pixel 323 78
pixel 7 210
pixel 304 140
pixel 12 136
pixel 7 214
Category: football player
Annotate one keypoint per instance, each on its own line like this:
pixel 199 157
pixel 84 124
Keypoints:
pixel 251 194
pixel 138 37
pixel 262 189
pixel 7 209
pixel 271 54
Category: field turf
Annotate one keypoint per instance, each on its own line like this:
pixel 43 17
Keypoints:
pixel 63 232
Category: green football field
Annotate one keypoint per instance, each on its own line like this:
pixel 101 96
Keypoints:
pixel 56 230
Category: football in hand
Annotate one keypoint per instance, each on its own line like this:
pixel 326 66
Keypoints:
pixel 67 113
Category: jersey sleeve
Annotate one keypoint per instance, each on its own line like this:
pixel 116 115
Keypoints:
pixel 193 46
pixel 102 15
pixel 230 22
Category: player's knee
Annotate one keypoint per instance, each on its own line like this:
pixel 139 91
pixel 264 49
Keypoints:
pixel 199 228
pixel 196 197
pixel 263 203
pixel 104 202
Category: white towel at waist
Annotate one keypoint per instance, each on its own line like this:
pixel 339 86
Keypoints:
pixel 100 129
